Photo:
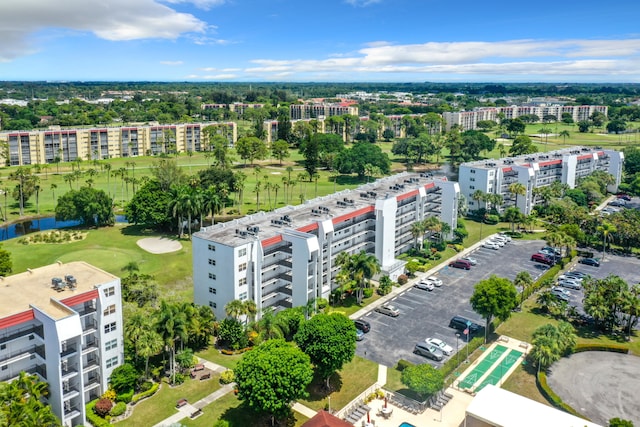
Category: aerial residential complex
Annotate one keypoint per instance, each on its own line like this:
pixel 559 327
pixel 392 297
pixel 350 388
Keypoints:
pixel 63 323
pixel 66 145
pixel 286 258
pixel 467 120
pixel 534 171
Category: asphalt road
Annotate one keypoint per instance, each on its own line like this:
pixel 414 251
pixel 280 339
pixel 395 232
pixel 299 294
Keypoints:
pixel 600 385
pixel 426 314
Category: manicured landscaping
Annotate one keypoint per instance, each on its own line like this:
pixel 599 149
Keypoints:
pixel 354 378
pixel 162 404
pixel 212 354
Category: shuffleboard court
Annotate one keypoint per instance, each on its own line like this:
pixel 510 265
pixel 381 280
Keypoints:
pixel 485 364
pixel 500 371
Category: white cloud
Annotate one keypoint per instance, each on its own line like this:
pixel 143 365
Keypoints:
pixel 172 63
pixel 114 20
pixel 532 58
pixel 200 4
pixel 212 76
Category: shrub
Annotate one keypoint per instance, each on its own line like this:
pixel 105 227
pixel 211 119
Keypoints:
pixel 103 407
pixel 179 378
pixel 368 292
pixel 125 397
pixel 458 248
pixel 402 279
pixel 423 268
pixel 221 423
pixel 109 394
pixel 402 364
pixel 614 348
pixel 95 420
pixel 152 390
pixel 492 219
pixel 227 377
pixel 144 386
pixel 119 409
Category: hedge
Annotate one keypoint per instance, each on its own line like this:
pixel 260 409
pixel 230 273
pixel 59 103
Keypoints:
pixel 94 419
pixel 403 364
pixel 119 409
pixel 615 348
pixel 125 397
pixel 145 394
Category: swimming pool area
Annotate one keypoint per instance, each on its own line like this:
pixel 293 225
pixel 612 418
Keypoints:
pixel 406 425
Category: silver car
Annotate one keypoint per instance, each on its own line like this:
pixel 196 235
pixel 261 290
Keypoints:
pixel 389 310
pixel 428 350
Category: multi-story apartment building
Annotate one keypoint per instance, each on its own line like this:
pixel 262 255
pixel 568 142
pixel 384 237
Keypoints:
pixel 467 120
pixel 63 323
pixel 47 146
pixel 287 257
pixel 314 111
pixel 536 170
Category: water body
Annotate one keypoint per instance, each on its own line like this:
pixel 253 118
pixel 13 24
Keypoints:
pixel 28 226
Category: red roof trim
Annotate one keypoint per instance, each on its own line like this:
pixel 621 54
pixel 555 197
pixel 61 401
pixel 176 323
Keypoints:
pixel 430 185
pixel 406 195
pixel 79 299
pixel 271 241
pixel 551 162
pixel 350 215
pixel 600 153
pixel 308 228
pixel 585 157
pixel 507 169
pixel 16 319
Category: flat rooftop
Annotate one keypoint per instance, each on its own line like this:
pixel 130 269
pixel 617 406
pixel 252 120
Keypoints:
pixel 532 158
pixel 20 291
pixel 318 209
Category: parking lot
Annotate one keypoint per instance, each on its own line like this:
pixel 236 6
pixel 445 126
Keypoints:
pixel 426 314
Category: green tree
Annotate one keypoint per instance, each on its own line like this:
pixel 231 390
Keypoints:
pixel 361 267
pixel 271 376
pixel 251 148
pixel 512 214
pixel 330 342
pixel 619 422
pixel 21 403
pixel 356 159
pixel 522 144
pixel 423 379
pixel 517 189
pixel 171 324
pixel 231 333
pixel 123 378
pixel 494 297
pixel 564 134
pixel 523 280
pixel 150 206
pixel 280 150
pixel 90 206
pixel 606 229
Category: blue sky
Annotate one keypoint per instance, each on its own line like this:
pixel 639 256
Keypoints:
pixel 325 41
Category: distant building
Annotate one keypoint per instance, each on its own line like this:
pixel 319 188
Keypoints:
pixel 536 170
pixel 46 146
pixel 286 258
pixel 321 110
pixel 62 323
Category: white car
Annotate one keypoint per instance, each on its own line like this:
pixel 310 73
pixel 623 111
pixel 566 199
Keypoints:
pixel 500 238
pixel 498 242
pixel 433 279
pixel 471 261
pixel 505 236
pixel 438 343
pixel 425 285
pixel 491 245
pixel 571 284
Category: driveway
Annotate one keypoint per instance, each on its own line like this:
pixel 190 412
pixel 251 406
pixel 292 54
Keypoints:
pixel 426 314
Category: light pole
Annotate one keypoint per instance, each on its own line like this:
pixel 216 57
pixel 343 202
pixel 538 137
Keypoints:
pixel 468 332
pixel 329 397
pixel 458 348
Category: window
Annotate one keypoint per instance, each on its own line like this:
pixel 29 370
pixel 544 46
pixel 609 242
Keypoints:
pixel 472 179
pixel 111 344
pixel 212 304
pixel 108 292
pixel 112 362
pixel 243 296
pixel 212 261
pixel 472 171
pixel 109 310
pixel 242 252
pixel 212 248
pixel 110 327
pixel 242 267
pixel 212 290
pixel 242 281
pixel 472 187
pixel 212 276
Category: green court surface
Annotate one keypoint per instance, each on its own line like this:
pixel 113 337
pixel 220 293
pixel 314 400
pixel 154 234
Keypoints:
pixel 499 371
pixel 484 365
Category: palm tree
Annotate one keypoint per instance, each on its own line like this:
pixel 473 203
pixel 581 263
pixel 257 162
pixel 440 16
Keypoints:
pixel 68 178
pixel 275 187
pixel 234 308
pixel 172 326
pixel 257 190
pixel 544 351
pixel 250 309
pixel 478 196
pixel 417 230
pixel 523 280
pixel 270 326
pixel 107 168
pixel 240 180
pixel 364 267
pixel 606 229
pixel 564 134
pixel 212 202
pixel 517 188
pixel 22 175
pixel 177 204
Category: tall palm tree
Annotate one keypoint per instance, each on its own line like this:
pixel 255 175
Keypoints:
pixel 517 188
pixel 544 351
pixel 148 344
pixel 365 266
pixel 176 204
pixel 22 175
pixel 107 168
pixel 250 309
pixel 270 326
pixel 478 196
pixel 234 308
pixel 171 324
pixel 523 280
pixel 606 229
pixel 564 134
pixel 417 230
pixel 240 180
pixel 212 202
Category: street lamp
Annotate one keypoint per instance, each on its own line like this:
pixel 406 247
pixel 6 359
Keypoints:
pixel 458 347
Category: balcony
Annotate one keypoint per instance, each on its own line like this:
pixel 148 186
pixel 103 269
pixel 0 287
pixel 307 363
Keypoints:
pixel 91 363
pixel 86 310
pixel 89 346
pixel 20 354
pixel 19 333
pixel 89 326
pixel 71 412
pixel 92 382
pixel 68 350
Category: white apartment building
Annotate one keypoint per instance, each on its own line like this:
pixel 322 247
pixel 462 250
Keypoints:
pixel 468 120
pixel 285 258
pixel 536 170
pixel 317 110
pixel 69 334
pixel 45 146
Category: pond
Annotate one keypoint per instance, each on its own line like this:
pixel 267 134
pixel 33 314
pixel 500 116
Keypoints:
pixel 35 225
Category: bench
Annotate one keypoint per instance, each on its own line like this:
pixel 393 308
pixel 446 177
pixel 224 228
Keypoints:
pixel 196 414
pixel 503 338
pixel 524 345
pixel 198 367
pixel 206 376
pixel 180 403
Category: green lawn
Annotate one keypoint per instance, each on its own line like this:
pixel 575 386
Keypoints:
pixel 354 378
pixel 162 404
pixel 212 354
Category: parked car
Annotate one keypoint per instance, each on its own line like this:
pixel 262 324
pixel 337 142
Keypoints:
pixel 571 284
pixel 359 335
pixel 501 238
pixel 557 292
pixel 427 350
pixel 577 274
pixel 470 260
pixel 572 277
pixel 459 263
pixel 438 343
pixel 551 250
pixel 362 325
pixel 498 242
pixel 491 245
pixel 624 197
pixel 590 261
pixel 542 258
pixel 433 279
pixel 425 285
pixel 619 203
pixel 461 323
pixel 388 309
pixel 505 236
